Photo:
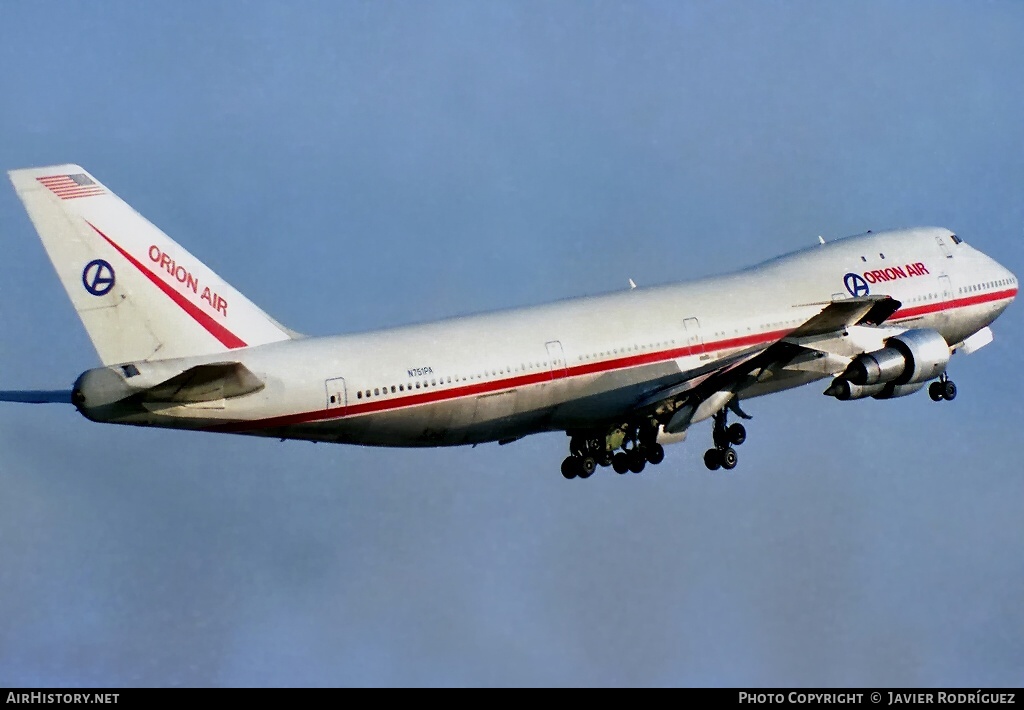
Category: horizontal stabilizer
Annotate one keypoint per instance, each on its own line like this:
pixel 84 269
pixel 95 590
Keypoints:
pixel 36 396
pixel 205 383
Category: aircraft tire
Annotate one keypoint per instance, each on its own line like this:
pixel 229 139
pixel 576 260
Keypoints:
pixel 736 434
pixel 620 462
pixel 729 458
pixel 948 390
pixel 712 460
pixel 569 467
pixel 936 391
pixel 637 460
pixel 655 454
pixel 586 467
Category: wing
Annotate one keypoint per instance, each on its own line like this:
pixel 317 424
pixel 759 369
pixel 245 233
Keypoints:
pixel 819 346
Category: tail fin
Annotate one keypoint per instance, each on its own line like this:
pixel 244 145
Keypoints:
pixel 140 295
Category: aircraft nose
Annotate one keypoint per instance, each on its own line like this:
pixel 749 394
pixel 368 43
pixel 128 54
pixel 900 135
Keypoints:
pixel 1011 281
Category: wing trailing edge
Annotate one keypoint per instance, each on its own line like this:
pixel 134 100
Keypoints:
pixel 837 315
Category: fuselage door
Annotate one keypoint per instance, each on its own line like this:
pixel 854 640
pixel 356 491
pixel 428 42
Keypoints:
pixel 693 340
pixel 947 288
pixel 556 359
pixel 337 398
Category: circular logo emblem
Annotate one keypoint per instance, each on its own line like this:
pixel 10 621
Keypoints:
pixel 98 277
pixel 856 285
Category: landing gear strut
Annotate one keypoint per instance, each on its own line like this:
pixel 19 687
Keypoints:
pixel 725 437
pixel 942 389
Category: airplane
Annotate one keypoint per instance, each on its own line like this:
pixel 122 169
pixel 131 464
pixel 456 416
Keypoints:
pixel 622 374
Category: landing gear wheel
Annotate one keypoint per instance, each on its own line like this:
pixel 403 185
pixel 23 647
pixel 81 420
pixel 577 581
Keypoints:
pixel 936 391
pixel 655 454
pixel 736 434
pixel 586 467
pixel 620 462
pixel 637 460
pixel 712 460
pixel 948 390
pixel 729 458
pixel 605 459
pixel 569 467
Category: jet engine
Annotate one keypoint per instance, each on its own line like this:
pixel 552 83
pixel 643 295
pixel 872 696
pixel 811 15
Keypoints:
pixel 845 390
pixel 911 357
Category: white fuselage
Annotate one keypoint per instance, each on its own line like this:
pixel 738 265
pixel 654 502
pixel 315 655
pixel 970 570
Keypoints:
pixel 585 362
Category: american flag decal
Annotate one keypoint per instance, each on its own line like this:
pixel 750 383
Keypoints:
pixel 68 187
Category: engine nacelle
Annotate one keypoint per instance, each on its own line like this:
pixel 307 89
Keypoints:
pixel 911 357
pixel 664 438
pixel 891 391
pixel 844 390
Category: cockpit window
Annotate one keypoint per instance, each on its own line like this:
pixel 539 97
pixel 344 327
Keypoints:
pixel 956 239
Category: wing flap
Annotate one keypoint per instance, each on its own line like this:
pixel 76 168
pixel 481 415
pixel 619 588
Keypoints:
pixel 863 310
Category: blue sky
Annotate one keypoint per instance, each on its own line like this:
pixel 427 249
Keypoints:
pixel 350 166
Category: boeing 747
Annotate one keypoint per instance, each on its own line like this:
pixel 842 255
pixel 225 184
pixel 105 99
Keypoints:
pixel 622 374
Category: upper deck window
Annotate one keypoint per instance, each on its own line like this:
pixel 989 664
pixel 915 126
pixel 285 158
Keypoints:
pixel 956 239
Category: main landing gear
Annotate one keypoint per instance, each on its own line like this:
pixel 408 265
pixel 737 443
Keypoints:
pixel 638 447
pixel 942 389
pixel 725 437
pixel 636 458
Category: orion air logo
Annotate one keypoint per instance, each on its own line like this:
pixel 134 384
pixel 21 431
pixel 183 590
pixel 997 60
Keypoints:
pixel 98 277
pixel 856 285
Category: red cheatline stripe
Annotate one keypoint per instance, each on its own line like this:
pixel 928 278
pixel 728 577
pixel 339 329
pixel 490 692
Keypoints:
pixel 225 336
pixel 914 311
pixel 409 400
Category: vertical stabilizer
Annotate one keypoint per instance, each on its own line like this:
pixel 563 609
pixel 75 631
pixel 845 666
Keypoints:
pixel 139 294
